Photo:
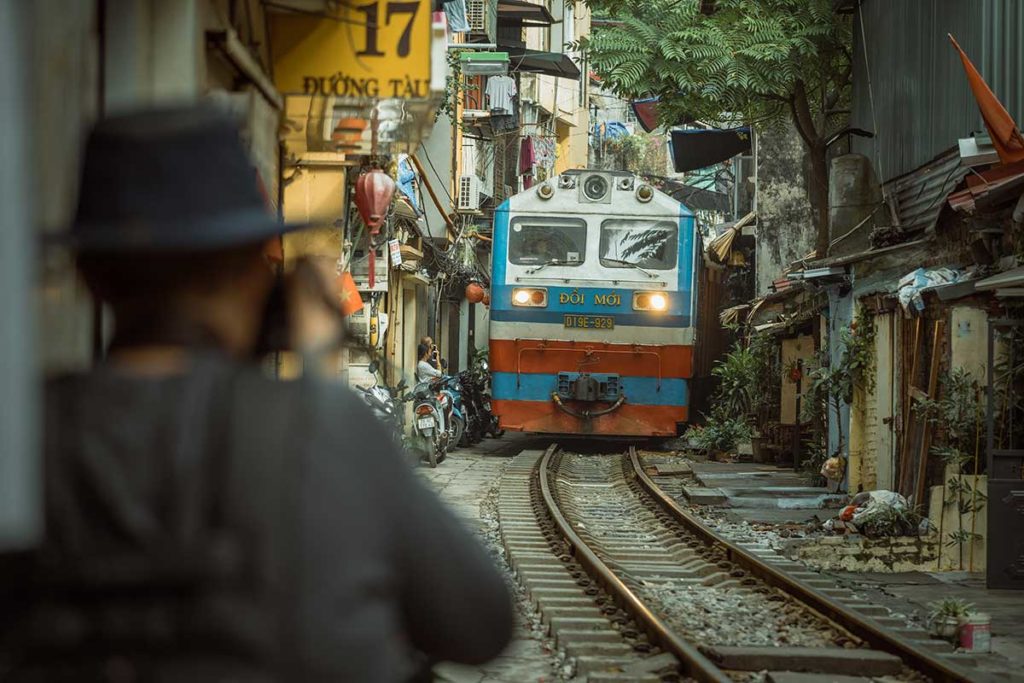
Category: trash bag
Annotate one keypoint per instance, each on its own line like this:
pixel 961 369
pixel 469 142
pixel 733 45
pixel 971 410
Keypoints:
pixel 833 468
pixel 884 513
pixel 911 284
pixel 877 514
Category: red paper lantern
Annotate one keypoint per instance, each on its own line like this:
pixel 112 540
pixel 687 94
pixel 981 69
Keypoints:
pixel 487 299
pixel 474 293
pixel 374 192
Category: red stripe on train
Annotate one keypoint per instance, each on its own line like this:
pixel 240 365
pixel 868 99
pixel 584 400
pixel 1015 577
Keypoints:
pixel 552 357
pixel 543 417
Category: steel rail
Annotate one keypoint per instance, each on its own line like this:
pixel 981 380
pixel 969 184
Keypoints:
pixel 856 624
pixel 694 662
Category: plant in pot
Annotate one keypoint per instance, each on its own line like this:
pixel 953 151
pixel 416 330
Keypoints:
pixel 720 435
pixel 947 616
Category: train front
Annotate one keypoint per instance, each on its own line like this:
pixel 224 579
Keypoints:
pixel 592 306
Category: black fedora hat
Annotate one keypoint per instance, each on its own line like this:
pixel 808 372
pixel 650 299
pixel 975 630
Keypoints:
pixel 173 179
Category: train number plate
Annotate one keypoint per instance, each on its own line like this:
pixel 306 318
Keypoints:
pixel 590 322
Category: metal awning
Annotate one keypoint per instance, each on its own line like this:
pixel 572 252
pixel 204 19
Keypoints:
pixel 536 62
pixel 526 14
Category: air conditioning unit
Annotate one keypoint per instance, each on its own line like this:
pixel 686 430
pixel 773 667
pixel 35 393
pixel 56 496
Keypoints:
pixel 476 15
pixel 469 193
pixel 482 17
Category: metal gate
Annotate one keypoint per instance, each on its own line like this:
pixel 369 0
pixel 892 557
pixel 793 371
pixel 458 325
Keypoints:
pixel 1005 418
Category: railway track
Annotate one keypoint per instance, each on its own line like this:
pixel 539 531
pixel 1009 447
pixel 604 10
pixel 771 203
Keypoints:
pixel 636 588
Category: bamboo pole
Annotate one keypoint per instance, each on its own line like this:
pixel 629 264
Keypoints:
pixel 452 230
pixel 904 483
pixel 974 484
pixel 933 382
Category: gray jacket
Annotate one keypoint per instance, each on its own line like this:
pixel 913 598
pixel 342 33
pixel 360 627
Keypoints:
pixel 346 567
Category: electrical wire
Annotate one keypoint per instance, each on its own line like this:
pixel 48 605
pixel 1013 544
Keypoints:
pixel 430 163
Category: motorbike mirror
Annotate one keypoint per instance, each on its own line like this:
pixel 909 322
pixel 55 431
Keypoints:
pixel 373 367
pixel 401 385
pixel 444 363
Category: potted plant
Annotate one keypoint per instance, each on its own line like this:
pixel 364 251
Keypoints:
pixel 720 436
pixel 947 616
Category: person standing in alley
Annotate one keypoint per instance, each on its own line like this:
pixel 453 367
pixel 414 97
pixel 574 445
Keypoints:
pixel 425 370
pixel 206 522
pixel 434 358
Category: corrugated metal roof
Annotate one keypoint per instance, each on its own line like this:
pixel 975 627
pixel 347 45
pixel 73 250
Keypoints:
pixel 922 102
pixel 920 195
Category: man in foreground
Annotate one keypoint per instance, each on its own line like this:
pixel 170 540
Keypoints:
pixel 204 522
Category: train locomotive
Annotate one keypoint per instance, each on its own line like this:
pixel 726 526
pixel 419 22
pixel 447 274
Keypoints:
pixel 592 307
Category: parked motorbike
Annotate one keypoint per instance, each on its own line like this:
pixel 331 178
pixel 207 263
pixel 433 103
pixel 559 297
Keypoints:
pixel 430 423
pixel 481 380
pixel 386 402
pixel 449 388
pixel 477 413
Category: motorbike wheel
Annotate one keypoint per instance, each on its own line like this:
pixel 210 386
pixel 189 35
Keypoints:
pixel 432 457
pixel 458 430
pixel 468 435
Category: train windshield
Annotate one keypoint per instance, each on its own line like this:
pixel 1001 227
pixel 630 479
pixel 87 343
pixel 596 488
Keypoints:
pixel 638 242
pixel 535 241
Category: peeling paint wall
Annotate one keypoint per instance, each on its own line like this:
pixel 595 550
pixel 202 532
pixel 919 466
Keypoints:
pixel 785 230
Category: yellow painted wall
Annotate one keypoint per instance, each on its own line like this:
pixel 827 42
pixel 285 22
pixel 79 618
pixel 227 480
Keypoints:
pixel 871 423
pixel 947 519
pixel 793 350
pixel 316 194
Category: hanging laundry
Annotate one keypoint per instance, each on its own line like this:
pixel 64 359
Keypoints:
pixel 615 129
pixel 527 160
pixel 456 11
pixel 407 180
pixel 502 123
pixel 500 91
pixel 544 151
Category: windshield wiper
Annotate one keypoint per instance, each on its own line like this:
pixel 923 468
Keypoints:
pixel 552 262
pixel 630 263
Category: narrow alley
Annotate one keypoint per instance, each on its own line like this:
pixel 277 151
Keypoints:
pixel 511 340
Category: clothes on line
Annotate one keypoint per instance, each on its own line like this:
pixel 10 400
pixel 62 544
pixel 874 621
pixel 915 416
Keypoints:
pixel 500 91
pixel 456 12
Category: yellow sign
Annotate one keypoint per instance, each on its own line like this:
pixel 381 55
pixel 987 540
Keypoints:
pixel 375 49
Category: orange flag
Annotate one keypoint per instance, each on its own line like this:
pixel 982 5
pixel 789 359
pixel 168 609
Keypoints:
pixel 1006 137
pixel 348 295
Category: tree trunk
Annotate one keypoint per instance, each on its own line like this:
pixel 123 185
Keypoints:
pixel 817 186
pixel 817 189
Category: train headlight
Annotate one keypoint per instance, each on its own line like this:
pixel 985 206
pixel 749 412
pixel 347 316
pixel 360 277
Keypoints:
pixel 645 193
pixel 530 296
pixel 595 187
pixel 650 301
pixel 545 191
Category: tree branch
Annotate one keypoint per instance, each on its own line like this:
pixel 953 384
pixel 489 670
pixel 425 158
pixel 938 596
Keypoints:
pixel 802 115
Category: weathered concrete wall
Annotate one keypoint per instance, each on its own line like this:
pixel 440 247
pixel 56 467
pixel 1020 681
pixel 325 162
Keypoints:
pixel 855 553
pixel 785 230
pixel 968 341
pixel 855 204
